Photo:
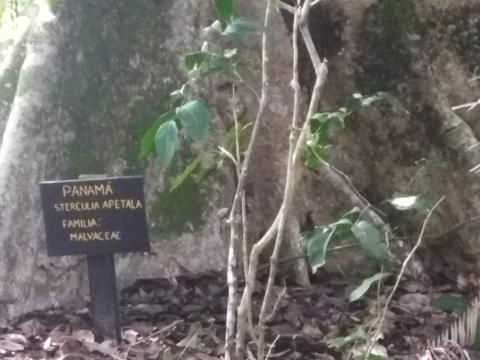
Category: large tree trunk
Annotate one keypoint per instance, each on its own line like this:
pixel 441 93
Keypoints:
pixel 86 80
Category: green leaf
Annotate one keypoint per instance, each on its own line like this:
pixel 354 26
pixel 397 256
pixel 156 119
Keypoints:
pixel 225 9
pixel 166 141
pixel 353 214
pixel 148 140
pixel 343 228
pixel 195 118
pixel 205 62
pixel 317 248
pixel 376 357
pixel 450 302
pixel 371 241
pixel 359 335
pixel 240 29
pixel 361 290
pixel 188 171
pixel 196 58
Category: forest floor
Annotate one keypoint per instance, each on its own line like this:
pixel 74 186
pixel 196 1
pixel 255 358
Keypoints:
pixel 184 317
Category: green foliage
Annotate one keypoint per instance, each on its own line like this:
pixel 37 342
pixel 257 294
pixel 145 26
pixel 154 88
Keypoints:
pixel 203 63
pixel 207 160
pixel 371 241
pixel 366 284
pixel 166 141
pixel 195 118
pixel 240 29
pixel 188 171
pixel 191 115
pixel 349 226
pixel 324 126
pixel 319 240
pixel 148 140
pixel 356 339
pixel 224 8
pixel 386 55
pixel 317 246
pixel 376 357
pixel 357 336
pixel 450 302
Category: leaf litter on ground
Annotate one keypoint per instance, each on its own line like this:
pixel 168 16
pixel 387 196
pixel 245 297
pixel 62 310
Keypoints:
pixel 183 318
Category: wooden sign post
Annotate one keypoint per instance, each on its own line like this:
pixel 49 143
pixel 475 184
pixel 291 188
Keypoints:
pixel 96 217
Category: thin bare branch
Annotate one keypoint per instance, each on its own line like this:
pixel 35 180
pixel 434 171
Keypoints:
pixel 400 276
pixel 293 149
pixel 264 99
pixel 272 347
pixel 245 303
pixel 287 7
pixel 470 105
pixel 277 303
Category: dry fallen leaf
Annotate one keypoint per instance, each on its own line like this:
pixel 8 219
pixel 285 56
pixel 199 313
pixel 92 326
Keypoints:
pixel 311 329
pixel 72 345
pixel 10 346
pixel 84 335
pixel 106 347
pixel 414 303
pixel 32 327
pixel 130 336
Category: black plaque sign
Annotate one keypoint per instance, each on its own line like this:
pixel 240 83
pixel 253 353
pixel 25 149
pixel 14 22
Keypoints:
pixel 93 217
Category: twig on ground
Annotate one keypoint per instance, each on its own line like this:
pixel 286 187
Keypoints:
pixel 155 333
pixel 400 276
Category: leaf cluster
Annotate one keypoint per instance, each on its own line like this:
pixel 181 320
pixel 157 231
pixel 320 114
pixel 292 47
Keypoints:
pixel 350 226
pixel 191 116
pixel 325 125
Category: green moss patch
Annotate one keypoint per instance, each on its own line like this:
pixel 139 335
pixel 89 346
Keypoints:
pixel 179 211
pixel 385 57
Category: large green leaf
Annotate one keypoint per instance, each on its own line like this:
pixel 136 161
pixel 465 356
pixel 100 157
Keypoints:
pixel 371 241
pixel 361 290
pixel 166 141
pixel 240 29
pixel 317 248
pixel 224 8
pixel 195 118
pixel 148 140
